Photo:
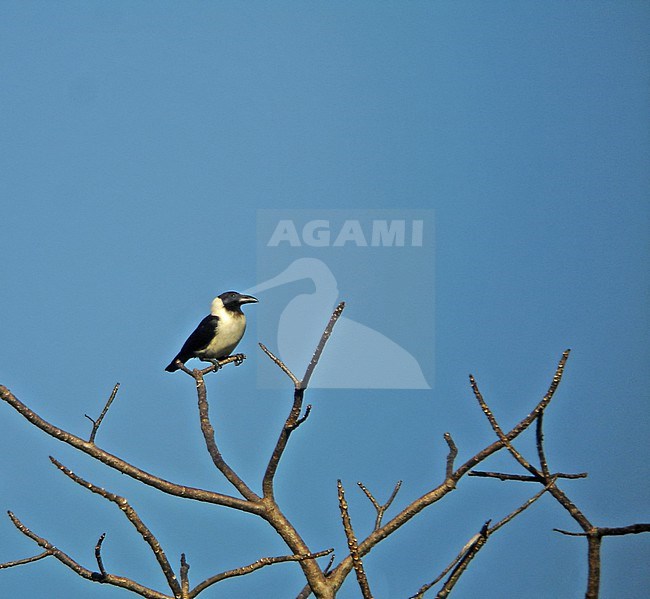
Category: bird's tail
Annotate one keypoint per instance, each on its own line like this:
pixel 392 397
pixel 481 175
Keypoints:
pixel 173 366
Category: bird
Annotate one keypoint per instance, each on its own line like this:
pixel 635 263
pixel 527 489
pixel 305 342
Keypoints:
pixel 218 333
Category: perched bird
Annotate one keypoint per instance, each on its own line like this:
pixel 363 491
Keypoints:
pixel 218 333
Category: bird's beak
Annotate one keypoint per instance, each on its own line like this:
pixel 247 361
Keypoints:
pixel 247 299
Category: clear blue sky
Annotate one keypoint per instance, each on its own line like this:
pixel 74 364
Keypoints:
pixel 140 141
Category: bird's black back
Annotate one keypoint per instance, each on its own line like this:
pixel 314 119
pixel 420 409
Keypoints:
pixel 199 339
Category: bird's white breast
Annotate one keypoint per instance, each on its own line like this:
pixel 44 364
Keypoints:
pixel 229 332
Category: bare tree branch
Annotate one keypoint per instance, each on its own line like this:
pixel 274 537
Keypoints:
pixel 324 583
pixel 133 517
pixel 477 543
pixel 306 590
pixel 185 578
pixel 294 420
pixel 211 444
pixel 521 508
pixel 352 544
pixel 541 453
pixel 26 560
pixel 631 529
pixel 523 424
pixel 525 477
pixel 451 456
pixel 281 365
pixel 260 563
pixel 216 365
pixel 340 572
pixel 497 429
pixel 64 558
pixel 97 423
pixel 265 507
pixel 606 531
pixel 594 537
pixel 321 345
pixel 469 551
pixel 98 555
pixel 122 466
pixel 593 542
pixel 380 509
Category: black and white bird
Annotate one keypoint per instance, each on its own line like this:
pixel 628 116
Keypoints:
pixel 218 333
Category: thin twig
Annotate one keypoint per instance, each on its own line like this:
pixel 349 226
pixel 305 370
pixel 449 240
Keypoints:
pixel 185 577
pixel 25 560
pixel 330 563
pixel 321 345
pixel 97 423
pixel 98 555
pixel 380 509
pixel 306 591
pixel 281 365
pixel 260 563
pixel 451 456
pixel 525 477
pixel 236 358
pixel 498 430
pixel 294 420
pixel 424 588
pixel 470 545
pixel 541 453
pixel 304 417
pixel 522 507
pixel 568 533
pixel 606 531
pixel 461 566
pixel 352 544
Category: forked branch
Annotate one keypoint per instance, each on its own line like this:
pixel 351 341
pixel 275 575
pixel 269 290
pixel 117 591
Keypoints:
pixel 294 420
pixel 380 509
pixel 121 465
pixel 460 563
pixel 77 568
pixel 97 423
pixel 134 519
pixel 544 476
pixel 340 572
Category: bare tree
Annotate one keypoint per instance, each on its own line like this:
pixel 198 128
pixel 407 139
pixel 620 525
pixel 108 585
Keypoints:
pixel 324 581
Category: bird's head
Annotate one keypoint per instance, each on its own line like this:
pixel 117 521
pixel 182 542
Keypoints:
pixel 231 300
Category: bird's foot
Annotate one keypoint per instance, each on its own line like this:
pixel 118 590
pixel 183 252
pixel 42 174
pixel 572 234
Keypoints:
pixel 239 359
pixel 216 364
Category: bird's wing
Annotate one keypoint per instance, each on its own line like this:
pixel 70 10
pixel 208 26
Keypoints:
pixel 200 338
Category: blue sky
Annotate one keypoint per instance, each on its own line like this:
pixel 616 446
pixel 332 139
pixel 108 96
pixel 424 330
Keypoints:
pixel 140 141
